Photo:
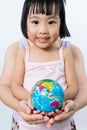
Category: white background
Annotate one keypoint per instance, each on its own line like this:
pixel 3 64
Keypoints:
pixel 10 15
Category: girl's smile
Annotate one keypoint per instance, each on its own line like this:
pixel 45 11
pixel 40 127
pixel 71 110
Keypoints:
pixel 43 40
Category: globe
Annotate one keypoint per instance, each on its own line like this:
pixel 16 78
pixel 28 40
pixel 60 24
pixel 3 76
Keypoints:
pixel 47 95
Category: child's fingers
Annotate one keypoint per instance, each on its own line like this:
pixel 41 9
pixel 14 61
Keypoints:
pixel 36 111
pixel 58 111
pixel 51 114
pixel 46 118
pixel 32 118
pixel 50 123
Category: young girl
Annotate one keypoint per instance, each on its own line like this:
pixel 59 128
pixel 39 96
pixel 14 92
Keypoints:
pixel 43 24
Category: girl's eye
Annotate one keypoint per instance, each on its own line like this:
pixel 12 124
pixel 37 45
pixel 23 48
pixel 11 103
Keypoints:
pixel 35 22
pixel 52 22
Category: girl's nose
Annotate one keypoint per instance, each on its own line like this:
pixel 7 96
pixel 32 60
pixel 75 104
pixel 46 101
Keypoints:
pixel 43 29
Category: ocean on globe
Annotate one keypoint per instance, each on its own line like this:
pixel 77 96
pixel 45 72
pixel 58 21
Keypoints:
pixel 47 95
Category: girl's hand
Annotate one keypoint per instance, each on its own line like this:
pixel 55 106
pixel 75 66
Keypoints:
pixel 29 115
pixel 67 112
pixel 53 114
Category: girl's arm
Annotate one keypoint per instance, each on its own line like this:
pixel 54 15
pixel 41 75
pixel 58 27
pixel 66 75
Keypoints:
pixel 18 77
pixel 71 75
pixel 6 76
pixel 80 100
pixel 6 95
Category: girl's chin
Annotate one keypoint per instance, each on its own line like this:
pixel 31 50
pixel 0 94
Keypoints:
pixel 43 45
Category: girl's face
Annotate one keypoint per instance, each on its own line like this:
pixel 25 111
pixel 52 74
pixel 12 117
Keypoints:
pixel 42 29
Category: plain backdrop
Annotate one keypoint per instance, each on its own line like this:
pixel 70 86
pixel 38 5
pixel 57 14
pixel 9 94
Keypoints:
pixel 10 15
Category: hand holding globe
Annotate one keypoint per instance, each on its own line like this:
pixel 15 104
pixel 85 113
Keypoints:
pixel 47 96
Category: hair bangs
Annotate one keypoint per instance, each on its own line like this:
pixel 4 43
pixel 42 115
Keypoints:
pixel 47 7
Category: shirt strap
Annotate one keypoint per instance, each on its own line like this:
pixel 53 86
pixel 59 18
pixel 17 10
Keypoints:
pixel 66 44
pixel 23 43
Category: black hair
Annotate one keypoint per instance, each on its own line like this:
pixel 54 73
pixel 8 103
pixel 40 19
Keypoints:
pixel 45 7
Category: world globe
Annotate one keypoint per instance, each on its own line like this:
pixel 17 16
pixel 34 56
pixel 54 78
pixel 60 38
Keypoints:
pixel 47 95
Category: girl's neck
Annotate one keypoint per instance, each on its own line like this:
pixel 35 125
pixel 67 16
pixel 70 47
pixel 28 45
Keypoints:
pixel 45 55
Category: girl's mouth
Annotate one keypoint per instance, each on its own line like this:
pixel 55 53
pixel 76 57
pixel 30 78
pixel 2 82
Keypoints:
pixel 43 39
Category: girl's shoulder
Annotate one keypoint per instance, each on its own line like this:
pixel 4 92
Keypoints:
pixel 12 50
pixel 77 53
pixel 67 52
pixel 74 52
pixel 69 47
pixel 16 46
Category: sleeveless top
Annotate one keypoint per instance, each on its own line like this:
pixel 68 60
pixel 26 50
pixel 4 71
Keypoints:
pixel 35 71
pixel 42 70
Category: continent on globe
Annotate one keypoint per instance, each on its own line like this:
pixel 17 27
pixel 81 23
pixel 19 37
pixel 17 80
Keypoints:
pixel 47 95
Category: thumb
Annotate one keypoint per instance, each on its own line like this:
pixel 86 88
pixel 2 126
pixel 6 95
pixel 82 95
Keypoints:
pixel 23 106
pixel 69 105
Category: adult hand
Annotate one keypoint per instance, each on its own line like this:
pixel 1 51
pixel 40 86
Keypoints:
pixel 29 115
pixel 68 111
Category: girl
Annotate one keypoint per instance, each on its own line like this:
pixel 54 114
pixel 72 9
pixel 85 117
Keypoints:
pixel 43 24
